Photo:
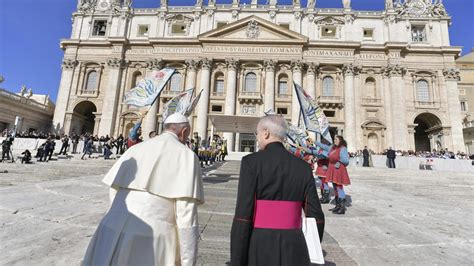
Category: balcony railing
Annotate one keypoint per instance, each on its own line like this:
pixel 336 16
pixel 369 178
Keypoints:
pixel 283 96
pixel 426 104
pixel 372 101
pixel 250 95
pixel 217 94
pixel 330 99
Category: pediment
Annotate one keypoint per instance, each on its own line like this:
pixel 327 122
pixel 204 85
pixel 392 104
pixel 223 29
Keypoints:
pixel 252 29
pixel 328 21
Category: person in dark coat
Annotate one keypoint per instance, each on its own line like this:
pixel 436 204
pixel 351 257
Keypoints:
pixel 64 146
pixel 366 155
pixel 26 157
pixel 48 147
pixel 273 181
pixel 75 141
pixel 119 145
pixel 5 149
pixel 391 155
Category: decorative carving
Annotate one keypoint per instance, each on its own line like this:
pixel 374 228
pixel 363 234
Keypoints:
pixel 390 19
pixel 69 63
pixel 206 63
pixel 393 70
pixel 297 65
pixel 210 12
pixel 329 21
pixel 310 17
pixel 192 65
pixel 298 15
pixel 197 15
pixel 272 14
pixel 86 6
pixel 155 64
pixel 417 8
pixel 235 14
pixel 311 68
pixel 349 18
pixel 350 69
pixel 231 63
pixel 253 31
pixel 452 74
pixel 269 64
pixel 115 62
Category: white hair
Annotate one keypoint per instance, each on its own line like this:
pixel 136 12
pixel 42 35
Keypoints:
pixel 176 127
pixel 275 124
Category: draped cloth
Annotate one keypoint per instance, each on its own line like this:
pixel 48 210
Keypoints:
pixel 156 187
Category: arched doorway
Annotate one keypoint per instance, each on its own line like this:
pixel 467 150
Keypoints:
pixel 428 134
pixel 83 118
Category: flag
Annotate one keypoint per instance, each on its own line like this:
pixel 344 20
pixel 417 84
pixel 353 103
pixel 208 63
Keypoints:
pixel 297 135
pixel 178 104
pixel 313 116
pixel 148 89
pixel 192 105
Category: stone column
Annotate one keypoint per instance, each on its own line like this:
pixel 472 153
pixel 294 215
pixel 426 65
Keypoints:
pixel 231 97
pixel 203 105
pixel 387 109
pixel 192 66
pixel 310 79
pixel 150 120
pixel 452 76
pixel 64 91
pixel 109 108
pixel 349 107
pixel 297 67
pixel 398 110
pixel 269 99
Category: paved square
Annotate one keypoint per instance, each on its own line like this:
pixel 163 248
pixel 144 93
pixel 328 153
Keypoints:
pixel 48 213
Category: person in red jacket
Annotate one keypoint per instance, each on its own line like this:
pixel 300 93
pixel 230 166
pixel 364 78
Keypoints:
pixel 337 172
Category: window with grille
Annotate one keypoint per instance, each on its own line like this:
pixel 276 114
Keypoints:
pixel 175 83
pixel 283 85
pixel 100 28
pixel 328 86
pixel 91 81
pixel 143 30
pixel 250 82
pixel 422 91
pixel 418 33
pixel 219 84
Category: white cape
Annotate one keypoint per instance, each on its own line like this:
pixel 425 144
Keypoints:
pixel 162 166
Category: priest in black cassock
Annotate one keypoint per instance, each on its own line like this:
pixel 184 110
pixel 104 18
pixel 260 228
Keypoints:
pixel 274 188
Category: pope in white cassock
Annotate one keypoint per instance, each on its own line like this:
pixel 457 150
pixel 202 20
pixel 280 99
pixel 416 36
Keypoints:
pixel 156 187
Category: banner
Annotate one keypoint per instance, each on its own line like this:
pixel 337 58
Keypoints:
pixel 194 102
pixel 313 117
pixel 148 89
pixel 178 104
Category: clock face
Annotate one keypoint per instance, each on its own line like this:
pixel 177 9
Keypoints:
pixel 417 7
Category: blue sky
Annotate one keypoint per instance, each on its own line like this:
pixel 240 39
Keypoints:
pixel 30 31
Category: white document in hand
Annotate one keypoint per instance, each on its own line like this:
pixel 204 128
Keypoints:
pixel 310 231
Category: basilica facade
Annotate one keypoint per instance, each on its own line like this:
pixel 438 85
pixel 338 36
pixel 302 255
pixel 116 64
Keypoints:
pixel 383 78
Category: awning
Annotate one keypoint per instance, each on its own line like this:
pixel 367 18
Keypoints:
pixel 234 123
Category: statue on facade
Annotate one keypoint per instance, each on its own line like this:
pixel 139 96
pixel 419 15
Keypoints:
pixel 86 5
pixel 2 79
pixel 30 93
pixel 23 91
pixel 163 3
pixel 211 3
pixel 198 2
pixel 346 4
pixel 311 4
pixel 388 4
pixel 296 2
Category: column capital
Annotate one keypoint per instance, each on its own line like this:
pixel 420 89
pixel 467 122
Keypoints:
pixel 69 63
pixel 155 64
pixel 192 65
pixel 269 64
pixel 206 63
pixel 452 74
pixel 350 69
pixel 232 64
pixel 393 70
pixel 311 68
pixel 297 65
pixel 115 62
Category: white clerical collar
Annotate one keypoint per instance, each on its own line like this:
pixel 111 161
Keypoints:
pixel 172 134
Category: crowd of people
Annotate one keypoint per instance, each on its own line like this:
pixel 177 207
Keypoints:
pixel 441 154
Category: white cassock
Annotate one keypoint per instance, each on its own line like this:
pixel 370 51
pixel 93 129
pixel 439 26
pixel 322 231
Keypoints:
pixel 155 189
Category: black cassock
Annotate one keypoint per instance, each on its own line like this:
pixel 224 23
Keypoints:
pixel 366 155
pixel 273 174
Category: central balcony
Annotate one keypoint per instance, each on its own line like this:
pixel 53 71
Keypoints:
pixel 250 97
pixel 330 101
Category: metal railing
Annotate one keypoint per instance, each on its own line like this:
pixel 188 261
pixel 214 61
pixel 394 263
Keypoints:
pixel 245 94
pixel 330 99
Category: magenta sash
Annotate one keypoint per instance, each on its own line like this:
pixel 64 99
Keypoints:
pixel 275 214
